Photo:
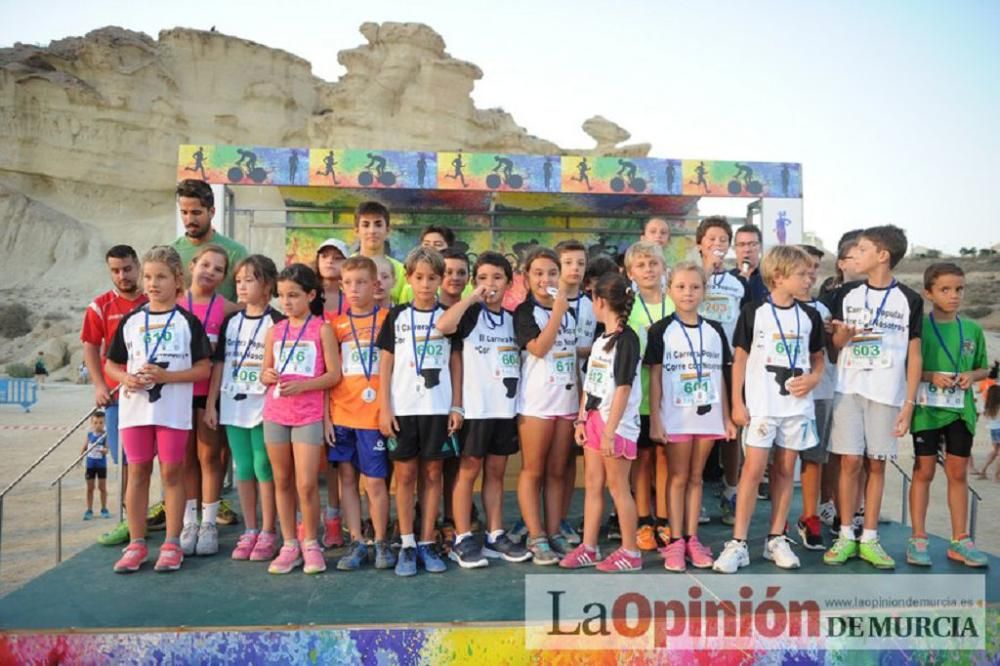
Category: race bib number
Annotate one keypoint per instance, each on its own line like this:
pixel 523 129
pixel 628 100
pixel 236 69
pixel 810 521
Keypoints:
pixel 719 307
pixel 867 353
pixel 689 391
pixel 778 351
pixel 562 368
pixel 597 375
pixel 435 356
pixel 507 363
pixel 301 360
pixel 168 338
pixel 929 395
pixel 355 360
pixel 246 381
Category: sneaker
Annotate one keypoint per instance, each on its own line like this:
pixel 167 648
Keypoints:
pixel 208 540
pixel 673 556
pixel 568 533
pixel 662 535
pixel 698 554
pixel 170 559
pixel 917 553
pixel 841 551
pixel 506 549
pixel 645 538
pixel 266 547
pixel 964 550
pixel 613 528
pixel 764 490
pixel 519 532
pixel 620 562
pixel 244 546
pixel 133 556
pixel 312 558
pixel 156 517
pixel 384 557
pixel 105 513
pixel 356 555
pixel 541 552
pixel 873 553
pixel 88 515
pixel 811 533
pixel 189 538
pixel 116 536
pixel 827 512
pixel 333 533
pixel 580 557
pixel 728 507
pixel 406 565
pixel 778 550
pixel 432 562
pixel 288 558
pixel 560 546
pixel 468 554
pixel 703 518
pixel 734 555
pixel 226 515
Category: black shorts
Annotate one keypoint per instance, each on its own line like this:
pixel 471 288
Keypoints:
pixel 644 442
pixel 96 473
pixel 493 437
pixel 954 437
pixel 425 436
pixel 201 402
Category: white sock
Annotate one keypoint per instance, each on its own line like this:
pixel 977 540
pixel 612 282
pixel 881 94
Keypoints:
pixel 191 512
pixel 493 536
pixel 209 512
pixel 332 512
pixel 847 532
pixel 867 536
pixel 408 541
pixel 729 491
pixel 462 537
pixel 630 553
pixel 424 543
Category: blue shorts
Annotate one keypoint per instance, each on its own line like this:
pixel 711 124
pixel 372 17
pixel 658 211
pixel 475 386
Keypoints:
pixel 995 435
pixel 364 449
pixel 111 428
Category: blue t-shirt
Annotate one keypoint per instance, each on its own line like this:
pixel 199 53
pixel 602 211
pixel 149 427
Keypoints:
pixel 96 455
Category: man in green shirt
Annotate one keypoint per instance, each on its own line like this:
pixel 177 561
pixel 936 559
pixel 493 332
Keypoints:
pixel 196 203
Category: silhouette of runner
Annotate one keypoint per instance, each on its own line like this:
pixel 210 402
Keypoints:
pixel 458 164
pixel 786 177
pixel 505 164
pixel 547 173
pixel 421 169
pixel 745 170
pixel 627 167
pixel 700 171
pixel 671 176
pixel 376 162
pixel 329 162
pixel 293 166
pixel 249 156
pixel 582 168
pixel 199 162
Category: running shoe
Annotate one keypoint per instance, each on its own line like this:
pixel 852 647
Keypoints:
pixel 728 506
pixel 841 551
pixel 116 536
pixel 105 513
pixel 333 533
pixel 734 555
pixel 698 554
pixel 703 517
pixel 964 550
pixel 673 556
pixel 189 538
pixel 468 554
pixel 568 533
pixel 541 552
pixel 560 546
pixel 289 557
pixel 132 558
pixel 427 556
pixel 873 553
pixel 156 517
pixel 662 535
pixel 356 555
pixel 811 533
pixel 506 549
pixel 519 532
pixel 385 558
pixel 208 540
pixel 645 537
pixel 244 546
pixel 580 557
pixel 88 514
pixel 170 559
pixel 917 552
pixel 406 565
pixel 226 515
pixel 266 547
pixel 312 558
pixel 778 550
pixel 620 562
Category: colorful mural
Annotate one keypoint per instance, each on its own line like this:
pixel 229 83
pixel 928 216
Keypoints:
pixel 741 179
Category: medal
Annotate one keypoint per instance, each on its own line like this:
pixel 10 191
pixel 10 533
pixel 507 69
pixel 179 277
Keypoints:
pixel 368 395
pixel 367 365
pixel 418 359
pixel 291 352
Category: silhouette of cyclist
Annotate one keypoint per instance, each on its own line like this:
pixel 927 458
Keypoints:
pixel 745 170
pixel 376 162
pixel 627 167
pixel 249 156
pixel 506 165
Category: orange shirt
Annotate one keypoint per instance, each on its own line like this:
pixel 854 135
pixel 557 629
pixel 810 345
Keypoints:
pixel 347 404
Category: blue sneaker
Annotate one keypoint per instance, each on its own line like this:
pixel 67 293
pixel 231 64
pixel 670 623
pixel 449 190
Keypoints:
pixel 518 533
pixel 384 557
pixel 568 533
pixel 88 515
pixel 406 565
pixel 356 555
pixel 427 556
pixel 105 514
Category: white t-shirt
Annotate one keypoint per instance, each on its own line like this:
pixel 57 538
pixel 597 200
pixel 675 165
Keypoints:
pixel 824 390
pixel 425 391
pixel 691 403
pixel 778 342
pixel 491 363
pixel 606 371
pixel 241 352
pixel 549 385
pixel 873 365
pixel 725 296
pixel 586 323
pixel 179 341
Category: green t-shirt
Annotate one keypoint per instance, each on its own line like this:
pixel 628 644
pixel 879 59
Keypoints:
pixel 236 253
pixel 973 357
pixel 643 316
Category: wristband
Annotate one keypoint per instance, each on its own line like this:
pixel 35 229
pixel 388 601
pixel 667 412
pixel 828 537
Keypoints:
pixel 458 410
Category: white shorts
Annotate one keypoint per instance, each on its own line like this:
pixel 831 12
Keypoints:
pixel 863 427
pixel 796 433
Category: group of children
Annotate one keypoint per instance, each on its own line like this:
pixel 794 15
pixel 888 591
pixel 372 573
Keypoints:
pixel 376 373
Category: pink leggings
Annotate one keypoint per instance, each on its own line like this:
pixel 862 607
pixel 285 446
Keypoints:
pixel 143 443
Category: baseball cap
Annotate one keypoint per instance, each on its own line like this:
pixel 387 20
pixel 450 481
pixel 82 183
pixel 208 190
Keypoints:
pixel 337 243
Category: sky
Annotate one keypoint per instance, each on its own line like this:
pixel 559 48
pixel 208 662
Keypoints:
pixel 892 107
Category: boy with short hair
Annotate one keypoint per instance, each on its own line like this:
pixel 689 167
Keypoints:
pixel 876 325
pixel 358 445
pixel 437 237
pixel 97 465
pixel 954 359
pixel 778 361
pixel 420 405
pixel 455 285
pixel 371 224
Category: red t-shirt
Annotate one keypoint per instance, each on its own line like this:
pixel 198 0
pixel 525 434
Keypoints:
pixel 101 319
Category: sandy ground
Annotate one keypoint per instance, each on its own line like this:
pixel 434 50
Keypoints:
pixel 29 513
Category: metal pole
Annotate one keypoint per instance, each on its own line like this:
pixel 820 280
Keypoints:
pixel 59 521
pixel 973 514
pixel 906 497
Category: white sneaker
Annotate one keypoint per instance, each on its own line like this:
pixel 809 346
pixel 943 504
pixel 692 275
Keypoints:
pixel 827 512
pixel 780 552
pixel 734 555
pixel 208 539
pixel 703 517
pixel 189 538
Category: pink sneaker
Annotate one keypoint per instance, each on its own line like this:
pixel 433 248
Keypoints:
pixel 313 556
pixel 333 533
pixel 673 556
pixel 170 558
pixel 288 558
pixel 580 557
pixel 134 555
pixel 244 546
pixel 266 547
pixel 698 554
pixel 620 562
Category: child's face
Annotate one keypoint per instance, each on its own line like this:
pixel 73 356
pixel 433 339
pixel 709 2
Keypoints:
pixel 424 281
pixel 686 290
pixel 208 272
pixel 947 293
pixel 294 299
pixel 159 282
pixel 250 288
pixel 435 241
pixel 647 271
pixel 359 288
pixel 714 241
pixel 494 279
pixel 867 256
pixel 456 276
pixel 386 281
pixel 572 266
pixel 657 231
pixel 796 283
pixel 544 273
pixel 97 424
pixel 328 262
pixel 372 230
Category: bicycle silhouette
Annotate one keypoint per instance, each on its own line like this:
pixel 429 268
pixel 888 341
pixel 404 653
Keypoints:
pixel 376 162
pixel 634 183
pixel 506 167
pixel 246 166
pixel 752 186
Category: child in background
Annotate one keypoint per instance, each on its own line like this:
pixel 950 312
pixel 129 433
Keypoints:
pixel 158 352
pixel 385 284
pixel 954 359
pixel 97 465
pixel 237 388
pixel 371 224
pixel 607 426
pixel 778 361
pixel 41 372
pixel 991 410
pixel 596 267
pixel 300 363
pixel 689 408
